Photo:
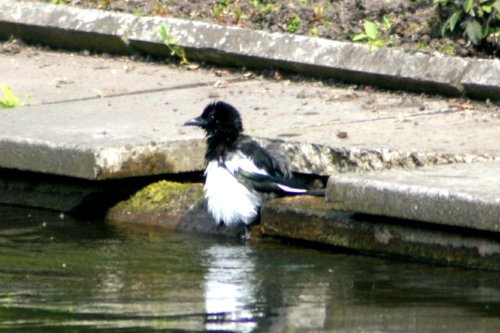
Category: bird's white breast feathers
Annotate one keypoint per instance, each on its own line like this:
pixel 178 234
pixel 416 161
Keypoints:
pixel 228 200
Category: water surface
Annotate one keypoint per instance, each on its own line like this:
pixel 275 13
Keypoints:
pixel 58 274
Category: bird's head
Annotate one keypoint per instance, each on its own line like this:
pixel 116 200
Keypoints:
pixel 218 118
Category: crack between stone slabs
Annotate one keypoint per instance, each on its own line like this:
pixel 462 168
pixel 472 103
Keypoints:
pixel 140 92
pixel 412 115
pixel 464 73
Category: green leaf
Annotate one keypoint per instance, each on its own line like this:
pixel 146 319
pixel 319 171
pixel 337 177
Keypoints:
pixel 9 100
pixel 359 37
pixel 376 43
pixel 371 30
pixel 162 32
pixel 454 19
pixel 386 23
pixel 487 8
pixel 451 22
pixel 468 5
pixel 497 6
pixel 474 31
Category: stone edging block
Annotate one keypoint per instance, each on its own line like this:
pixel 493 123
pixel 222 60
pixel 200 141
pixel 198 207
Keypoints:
pixel 457 195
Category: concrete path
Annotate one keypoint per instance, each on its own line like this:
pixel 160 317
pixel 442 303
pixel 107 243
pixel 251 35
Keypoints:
pixel 98 118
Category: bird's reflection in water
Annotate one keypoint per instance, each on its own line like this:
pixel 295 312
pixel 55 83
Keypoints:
pixel 231 288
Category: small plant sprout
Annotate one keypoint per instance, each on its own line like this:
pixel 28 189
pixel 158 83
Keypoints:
pixel 171 43
pixel 261 6
pixel 137 12
pixel 292 24
pixel 447 49
pixel 224 9
pixel 104 3
pixel 313 32
pixel 160 9
pixel 8 100
pixel 370 35
pixel 386 23
pixel 238 13
pixel 218 11
pixel 99 93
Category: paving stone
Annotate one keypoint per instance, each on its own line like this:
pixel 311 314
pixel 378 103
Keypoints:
pixel 483 79
pixel 459 195
pixel 89 117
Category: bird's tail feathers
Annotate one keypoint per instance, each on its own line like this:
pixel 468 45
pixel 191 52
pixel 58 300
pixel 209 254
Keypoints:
pixel 319 192
pixel 301 191
pixel 290 189
pixel 279 186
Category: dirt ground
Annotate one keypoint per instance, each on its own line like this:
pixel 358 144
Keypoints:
pixel 412 25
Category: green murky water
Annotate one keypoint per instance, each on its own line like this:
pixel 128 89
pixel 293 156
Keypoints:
pixel 62 275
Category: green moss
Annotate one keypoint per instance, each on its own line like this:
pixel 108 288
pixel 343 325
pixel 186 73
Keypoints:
pixel 447 49
pixel 161 196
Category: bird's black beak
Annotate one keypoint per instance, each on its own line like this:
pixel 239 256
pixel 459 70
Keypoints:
pixel 198 121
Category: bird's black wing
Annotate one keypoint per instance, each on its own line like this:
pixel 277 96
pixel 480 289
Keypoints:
pixel 274 177
pixel 262 158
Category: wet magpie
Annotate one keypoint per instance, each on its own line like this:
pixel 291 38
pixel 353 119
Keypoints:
pixel 239 172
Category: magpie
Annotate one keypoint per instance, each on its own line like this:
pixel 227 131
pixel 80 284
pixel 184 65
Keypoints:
pixel 239 173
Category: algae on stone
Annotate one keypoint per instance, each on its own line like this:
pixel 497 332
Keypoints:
pixel 160 195
pixel 162 203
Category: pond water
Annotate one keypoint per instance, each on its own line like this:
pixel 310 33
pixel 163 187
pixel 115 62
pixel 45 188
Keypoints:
pixel 58 274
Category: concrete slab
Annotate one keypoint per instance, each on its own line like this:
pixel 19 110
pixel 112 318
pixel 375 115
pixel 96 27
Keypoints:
pixel 460 195
pixel 53 77
pixel 103 138
pixel 68 27
pixel 135 127
pixel 482 79
pixel 311 219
